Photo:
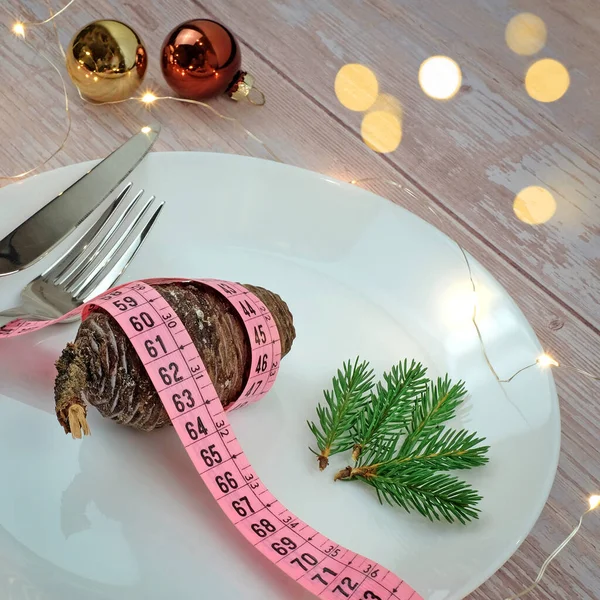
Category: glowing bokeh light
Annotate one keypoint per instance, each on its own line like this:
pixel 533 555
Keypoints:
pixel 19 29
pixel 526 34
pixel 547 80
pixel 146 129
pixel 440 77
pixel 594 502
pixel 381 131
pixel 148 98
pixel 388 103
pixel 457 305
pixel 356 87
pixel 546 361
pixel 534 205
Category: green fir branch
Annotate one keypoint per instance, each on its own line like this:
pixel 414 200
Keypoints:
pixel 446 450
pixel 407 479
pixel 401 445
pixel 390 406
pixel 434 495
pixel 437 406
pixel 351 389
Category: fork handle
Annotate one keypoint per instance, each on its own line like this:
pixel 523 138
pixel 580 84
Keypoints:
pixel 6 316
pixel 15 313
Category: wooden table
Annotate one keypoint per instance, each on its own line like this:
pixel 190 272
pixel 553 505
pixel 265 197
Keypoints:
pixel 465 158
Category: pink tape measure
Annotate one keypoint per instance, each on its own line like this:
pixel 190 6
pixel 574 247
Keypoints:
pixel 176 370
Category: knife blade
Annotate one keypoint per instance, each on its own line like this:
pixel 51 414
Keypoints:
pixel 43 231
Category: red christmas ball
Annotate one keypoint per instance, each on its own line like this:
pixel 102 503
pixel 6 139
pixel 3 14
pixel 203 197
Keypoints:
pixel 201 59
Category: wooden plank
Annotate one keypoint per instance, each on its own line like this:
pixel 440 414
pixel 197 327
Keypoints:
pixel 479 27
pixel 473 153
pixel 302 133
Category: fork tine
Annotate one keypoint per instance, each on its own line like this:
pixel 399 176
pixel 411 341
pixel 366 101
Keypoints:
pixel 100 262
pixel 104 280
pixel 105 235
pixel 88 238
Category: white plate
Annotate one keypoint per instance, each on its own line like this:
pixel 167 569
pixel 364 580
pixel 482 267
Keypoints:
pixel 123 515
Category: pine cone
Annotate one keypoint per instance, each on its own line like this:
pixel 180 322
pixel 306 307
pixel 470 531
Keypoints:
pixel 102 368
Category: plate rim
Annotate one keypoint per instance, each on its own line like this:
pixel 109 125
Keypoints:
pixel 537 509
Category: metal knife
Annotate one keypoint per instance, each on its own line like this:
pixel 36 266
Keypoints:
pixel 37 236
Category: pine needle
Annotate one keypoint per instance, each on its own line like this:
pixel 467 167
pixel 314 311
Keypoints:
pixel 351 388
pixel 434 495
pixel 446 450
pixel 390 406
pixel 433 409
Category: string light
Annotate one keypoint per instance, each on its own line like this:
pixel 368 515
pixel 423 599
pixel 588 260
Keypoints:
pixel 63 142
pixel 543 361
pixel 147 98
pixel 19 29
pixel 452 79
pixel 594 502
pixel 546 361
pixel 378 179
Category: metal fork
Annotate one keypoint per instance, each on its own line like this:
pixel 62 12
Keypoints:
pixel 93 264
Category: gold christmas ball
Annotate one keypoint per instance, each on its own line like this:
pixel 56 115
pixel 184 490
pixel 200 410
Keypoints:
pixel 107 61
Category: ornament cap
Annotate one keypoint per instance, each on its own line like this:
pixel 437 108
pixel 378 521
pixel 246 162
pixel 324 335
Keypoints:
pixel 243 88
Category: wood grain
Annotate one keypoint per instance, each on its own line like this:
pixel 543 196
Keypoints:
pixel 464 159
pixel 472 154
